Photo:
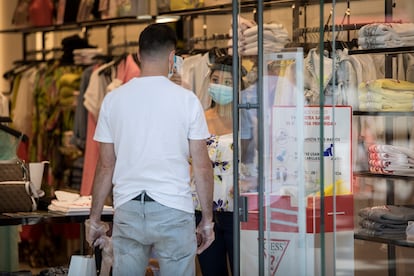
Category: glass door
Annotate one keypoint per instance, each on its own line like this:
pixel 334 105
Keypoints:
pixel 293 179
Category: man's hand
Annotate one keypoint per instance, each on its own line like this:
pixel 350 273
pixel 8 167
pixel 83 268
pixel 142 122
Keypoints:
pixel 94 232
pixel 205 235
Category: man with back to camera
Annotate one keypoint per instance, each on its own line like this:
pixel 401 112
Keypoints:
pixel 148 130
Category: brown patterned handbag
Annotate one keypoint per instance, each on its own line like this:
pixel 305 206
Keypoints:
pixel 14 169
pixel 16 194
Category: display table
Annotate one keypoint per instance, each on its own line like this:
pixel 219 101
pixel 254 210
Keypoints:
pixel 31 218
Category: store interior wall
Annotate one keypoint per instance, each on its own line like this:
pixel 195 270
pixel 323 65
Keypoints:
pixel 10 44
pixel 361 12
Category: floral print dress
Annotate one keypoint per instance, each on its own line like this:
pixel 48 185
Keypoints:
pixel 220 150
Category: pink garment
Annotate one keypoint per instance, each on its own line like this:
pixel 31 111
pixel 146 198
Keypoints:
pixel 41 13
pixel 127 69
pixel 91 158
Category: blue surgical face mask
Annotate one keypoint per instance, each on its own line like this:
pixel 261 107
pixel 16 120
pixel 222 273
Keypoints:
pixel 221 94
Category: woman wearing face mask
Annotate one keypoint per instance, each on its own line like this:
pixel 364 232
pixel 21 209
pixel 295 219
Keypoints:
pixel 218 258
pixel 219 115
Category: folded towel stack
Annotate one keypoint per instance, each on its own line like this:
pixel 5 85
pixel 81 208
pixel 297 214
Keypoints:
pixel 275 37
pixel 386 95
pixel 86 56
pixel 69 203
pixel 385 35
pixel 389 221
pixel 392 160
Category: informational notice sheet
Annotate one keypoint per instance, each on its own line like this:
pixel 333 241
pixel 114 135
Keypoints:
pixel 336 151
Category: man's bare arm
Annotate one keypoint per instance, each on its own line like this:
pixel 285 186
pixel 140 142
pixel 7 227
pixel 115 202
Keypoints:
pixel 102 183
pixel 204 181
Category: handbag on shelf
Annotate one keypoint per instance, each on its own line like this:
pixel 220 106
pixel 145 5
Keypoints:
pixel 16 196
pixel 13 170
pixel 17 193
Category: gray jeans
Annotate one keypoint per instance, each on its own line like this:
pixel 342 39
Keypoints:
pixel 143 226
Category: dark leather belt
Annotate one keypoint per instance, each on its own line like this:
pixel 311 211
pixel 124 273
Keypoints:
pixel 146 197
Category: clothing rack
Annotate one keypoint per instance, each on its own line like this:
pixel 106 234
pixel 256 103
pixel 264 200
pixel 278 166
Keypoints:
pixel 210 38
pixel 387 51
pixel 19 68
pixel 125 44
pixel 302 32
pixel 213 38
pixel 340 27
pixel 330 28
pixel 5 119
pixel 44 51
pixel 24 65
pixel 117 60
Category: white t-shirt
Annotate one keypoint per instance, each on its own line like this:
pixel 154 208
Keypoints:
pixel 149 120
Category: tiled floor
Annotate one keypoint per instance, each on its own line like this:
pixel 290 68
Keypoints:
pixel 27 267
pixel 370 259
pixel 35 271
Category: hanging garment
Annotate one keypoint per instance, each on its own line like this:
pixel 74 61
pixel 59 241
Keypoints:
pixel 127 69
pixel 85 10
pixel 22 109
pixel 41 13
pixel 96 90
pixel 184 5
pixel 196 77
pixel 21 17
pixel 4 106
pixel 81 114
pixel 334 93
pixel 94 94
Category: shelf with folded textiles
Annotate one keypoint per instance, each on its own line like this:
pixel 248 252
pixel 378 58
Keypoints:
pixel 389 115
pixel 390 181
pixel 394 50
pixel 382 175
pixel 245 6
pixel 390 240
pixel 226 8
pixel 383 224
pixel 383 113
pixel 79 25
pixel 84 27
pixel 36 217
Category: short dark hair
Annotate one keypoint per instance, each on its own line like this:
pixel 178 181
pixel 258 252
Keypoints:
pixel 155 38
